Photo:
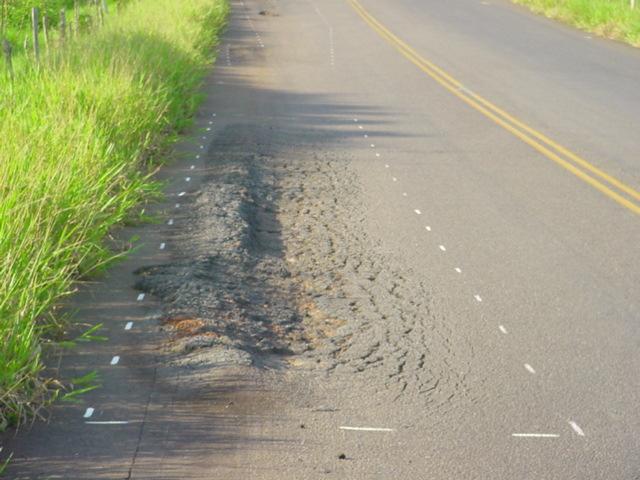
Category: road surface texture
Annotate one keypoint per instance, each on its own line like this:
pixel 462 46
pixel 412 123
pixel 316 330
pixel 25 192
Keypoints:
pixel 401 241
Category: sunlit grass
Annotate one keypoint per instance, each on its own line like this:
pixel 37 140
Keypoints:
pixel 609 18
pixel 77 137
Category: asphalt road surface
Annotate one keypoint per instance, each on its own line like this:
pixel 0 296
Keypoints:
pixel 455 195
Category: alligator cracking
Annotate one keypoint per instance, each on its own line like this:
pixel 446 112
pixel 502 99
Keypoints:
pixel 274 260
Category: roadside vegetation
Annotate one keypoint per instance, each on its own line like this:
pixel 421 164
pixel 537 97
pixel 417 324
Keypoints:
pixel 613 19
pixel 80 132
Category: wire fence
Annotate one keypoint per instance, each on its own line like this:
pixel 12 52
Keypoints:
pixel 46 33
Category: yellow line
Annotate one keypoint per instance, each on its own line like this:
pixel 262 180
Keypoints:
pixel 508 122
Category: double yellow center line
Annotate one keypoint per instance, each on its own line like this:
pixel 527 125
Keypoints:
pixel 598 179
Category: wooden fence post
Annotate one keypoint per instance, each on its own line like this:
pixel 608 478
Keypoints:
pixel 98 13
pixel 45 31
pixel 35 25
pixel 6 47
pixel 63 26
pixel 76 14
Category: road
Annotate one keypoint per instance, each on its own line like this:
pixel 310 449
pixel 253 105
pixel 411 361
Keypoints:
pixel 455 193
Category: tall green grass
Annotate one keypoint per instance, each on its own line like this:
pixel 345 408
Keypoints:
pixel 77 138
pixel 608 18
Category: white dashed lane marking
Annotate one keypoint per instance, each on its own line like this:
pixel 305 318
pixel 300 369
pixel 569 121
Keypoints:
pixel 177 205
pixel 162 246
pixel 576 428
pixel 182 194
pixel 115 360
pixel 141 297
pixel 128 326
pixel 332 50
pixel 367 429
pixel 112 422
pixel 170 222
pixel 88 412
pixel 187 179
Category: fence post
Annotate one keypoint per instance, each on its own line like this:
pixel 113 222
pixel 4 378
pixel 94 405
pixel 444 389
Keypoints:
pixel 45 31
pixel 632 3
pixel 76 14
pixel 63 26
pixel 98 13
pixel 6 47
pixel 35 24
pixel 105 7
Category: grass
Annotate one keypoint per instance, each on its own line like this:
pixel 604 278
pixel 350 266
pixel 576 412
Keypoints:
pixel 609 18
pixel 78 138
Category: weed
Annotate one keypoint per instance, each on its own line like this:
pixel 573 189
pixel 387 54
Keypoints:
pixel 608 18
pixel 78 136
